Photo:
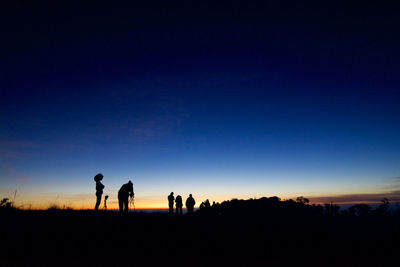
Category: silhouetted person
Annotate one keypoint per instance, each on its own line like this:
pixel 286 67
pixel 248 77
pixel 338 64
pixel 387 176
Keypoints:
pixel 171 202
pixel 99 190
pixel 105 202
pixel 124 193
pixel 206 207
pixel 190 204
pixel 207 204
pixel 179 204
pixel 215 208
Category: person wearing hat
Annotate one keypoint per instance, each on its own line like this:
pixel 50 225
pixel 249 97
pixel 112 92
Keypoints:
pixel 124 193
pixel 99 190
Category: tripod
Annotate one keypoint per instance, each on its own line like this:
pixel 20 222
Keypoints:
pixel 105 202
pixel 132 202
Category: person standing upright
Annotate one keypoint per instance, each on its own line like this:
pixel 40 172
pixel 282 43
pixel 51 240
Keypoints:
pixel 105 202
pixel 99 190
pixel 190 202
pixel 178 203
pixel 171 202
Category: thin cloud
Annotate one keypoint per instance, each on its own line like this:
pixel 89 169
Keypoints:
pixel 11 173
pixel 19 143
pixel 11 149
pixel 20 149
pixel 22 178
pixel 10 154
pixel 157 126
pixel 393 196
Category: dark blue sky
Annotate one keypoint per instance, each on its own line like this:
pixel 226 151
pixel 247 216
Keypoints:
pixel 220 100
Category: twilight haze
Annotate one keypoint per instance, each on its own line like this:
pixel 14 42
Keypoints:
pixel 222 101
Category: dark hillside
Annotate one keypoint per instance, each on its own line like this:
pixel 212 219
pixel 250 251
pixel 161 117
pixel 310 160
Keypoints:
pixel 80 238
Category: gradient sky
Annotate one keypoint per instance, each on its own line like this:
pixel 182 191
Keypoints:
pixel 222 100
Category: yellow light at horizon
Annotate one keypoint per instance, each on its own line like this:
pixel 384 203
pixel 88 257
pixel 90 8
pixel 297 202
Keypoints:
pixel 87 201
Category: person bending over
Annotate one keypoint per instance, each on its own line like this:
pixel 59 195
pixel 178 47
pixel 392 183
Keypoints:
pixel 124 193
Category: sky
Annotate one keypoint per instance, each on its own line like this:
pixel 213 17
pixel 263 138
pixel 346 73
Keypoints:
pixel 221 100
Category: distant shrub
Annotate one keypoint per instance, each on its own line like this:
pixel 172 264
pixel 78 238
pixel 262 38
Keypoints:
pixel 302 200
pixel 331 209
pixel 360 210
pixel 267 207
pixel 6 205
pixel 55 207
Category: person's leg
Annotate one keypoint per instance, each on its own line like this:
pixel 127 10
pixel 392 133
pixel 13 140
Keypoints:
pixel 126 202
pixel 120 203
pixel 98 201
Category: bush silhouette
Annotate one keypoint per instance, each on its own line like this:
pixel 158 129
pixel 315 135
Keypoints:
pixel 7 206
pixel 360 210
pixel 272 206
pixel 55 207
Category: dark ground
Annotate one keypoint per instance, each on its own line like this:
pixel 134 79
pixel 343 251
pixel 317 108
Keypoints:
pixel 72 238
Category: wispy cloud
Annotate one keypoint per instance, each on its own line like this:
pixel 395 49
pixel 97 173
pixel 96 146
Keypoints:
pixel 8 153
pixel 158 126
pixel 11 149
pixel 393 196
pixel 11 173
pixel 391 191
pixel 19 143
pixel 20 149
pixel 396 180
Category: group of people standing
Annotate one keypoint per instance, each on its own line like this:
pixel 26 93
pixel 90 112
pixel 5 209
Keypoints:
pixel 124 193
pixel 190 202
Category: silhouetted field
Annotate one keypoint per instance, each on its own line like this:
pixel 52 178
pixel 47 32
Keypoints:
pixel 86 238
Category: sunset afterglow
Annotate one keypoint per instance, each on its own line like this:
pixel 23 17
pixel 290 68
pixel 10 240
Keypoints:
pixel 219 107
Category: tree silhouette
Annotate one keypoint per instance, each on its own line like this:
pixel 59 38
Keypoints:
pixel 302 200
pixel 360 210
pixel 383 208
pixel 6 205
pixel 331 209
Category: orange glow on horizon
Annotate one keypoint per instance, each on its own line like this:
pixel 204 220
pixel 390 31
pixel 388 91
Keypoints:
pixel 155 202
